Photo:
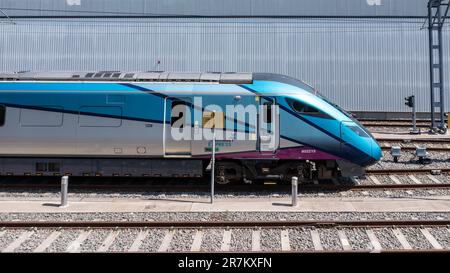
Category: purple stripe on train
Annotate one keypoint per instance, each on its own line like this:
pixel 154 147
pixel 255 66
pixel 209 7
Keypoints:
pixel 302 152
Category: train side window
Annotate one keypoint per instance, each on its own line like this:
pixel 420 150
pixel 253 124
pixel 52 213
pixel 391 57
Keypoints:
pixel 2 115
pixel 360 132
pixel 303 108
pixel 47 167
pixel 41 167
pixel 53 167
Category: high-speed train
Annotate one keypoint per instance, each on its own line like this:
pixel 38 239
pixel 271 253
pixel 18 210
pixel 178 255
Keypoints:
pixel 165 124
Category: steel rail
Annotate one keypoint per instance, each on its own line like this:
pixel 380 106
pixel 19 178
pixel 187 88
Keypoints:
pixel 407 148
pixel 412 140
pixel 203 188
pixel 200 189
pixel 446 251
pixel 406 171
pixel 222 224
pixel 394 125
pixel 397 186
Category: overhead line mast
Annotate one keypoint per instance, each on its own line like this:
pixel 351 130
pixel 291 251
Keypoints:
pixel 437 13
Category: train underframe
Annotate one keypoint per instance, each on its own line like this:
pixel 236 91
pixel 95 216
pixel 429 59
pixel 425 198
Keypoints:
pixel 226 170
pixel 234 171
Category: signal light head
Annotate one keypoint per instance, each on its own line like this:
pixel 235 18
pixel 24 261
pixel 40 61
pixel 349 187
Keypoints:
pixel 409 101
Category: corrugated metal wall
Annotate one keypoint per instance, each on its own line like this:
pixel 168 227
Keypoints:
pixel 361 64
pixel 214 7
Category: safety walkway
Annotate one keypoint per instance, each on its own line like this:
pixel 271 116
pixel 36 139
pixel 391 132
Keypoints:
pixel 422 204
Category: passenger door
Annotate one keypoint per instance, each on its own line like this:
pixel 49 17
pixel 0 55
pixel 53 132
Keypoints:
pixel 178 126
pixel 268 125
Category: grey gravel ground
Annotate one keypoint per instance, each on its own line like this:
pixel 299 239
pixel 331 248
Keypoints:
pixel 442 235
pixel 329 239
pixel 8 237
pixel 94 240
pixel 300 239
pixel 270 239
pixel 241 240
pixel 62 242
pixel 415 238
pixel 225 196
pixel 404 179
pixel 443 178
pixel 387 238
pixel 212 240
pixel 124 240
pixel 403 144
pixel 225 216
pixel 363 180
pixel 34 240
pixel 384 130
pixel 358 239
pixel 182 240
pixel 153 240
pixel 410 161
pixel 424 179
pixel 384 179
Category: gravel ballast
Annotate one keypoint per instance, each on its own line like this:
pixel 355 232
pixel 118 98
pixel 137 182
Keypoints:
pixel 300 239
pixel 34 240
pixel 8 237
pixel 225 216
pixel 182 240
pixel 62 242
pixel 94 240
pixel 408 160
pixel 386 238
pixel 442 235
pixel 153 240
pixel 329 239
pixel 270 240
pixel 124 240
pixel 241 239
pixel 212 240
pixel 415 238
pixel 358 239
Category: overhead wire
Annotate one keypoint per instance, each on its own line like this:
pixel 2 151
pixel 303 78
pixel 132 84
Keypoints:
pixel 207 24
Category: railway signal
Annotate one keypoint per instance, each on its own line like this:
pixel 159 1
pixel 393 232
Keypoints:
pixel 410 101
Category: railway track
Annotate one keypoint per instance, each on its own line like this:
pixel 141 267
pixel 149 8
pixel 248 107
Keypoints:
pixel 382 179
pixel 409 148
pixel 407 171
pixel 416 140
pixel 438 145
pixel 226 236
pixel 372 183
pixel 393 123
